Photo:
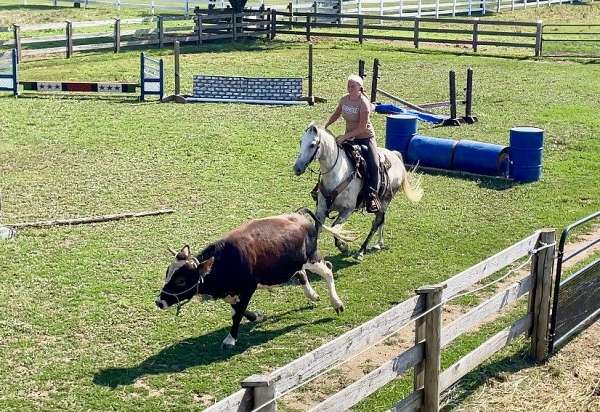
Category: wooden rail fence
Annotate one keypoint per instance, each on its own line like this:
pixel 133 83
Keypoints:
pixel 225 25
pixel 260 392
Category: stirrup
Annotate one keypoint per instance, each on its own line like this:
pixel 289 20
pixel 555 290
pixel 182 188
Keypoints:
pixel 373 204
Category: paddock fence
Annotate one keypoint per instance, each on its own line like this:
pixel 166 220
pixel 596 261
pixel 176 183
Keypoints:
pixel 159 31
pixel 423 312
pixel 469 32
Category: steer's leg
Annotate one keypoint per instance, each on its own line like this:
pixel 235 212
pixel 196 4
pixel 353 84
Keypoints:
pixel 239 309
pixel 323 269
pixel 309 292
pixel 339 221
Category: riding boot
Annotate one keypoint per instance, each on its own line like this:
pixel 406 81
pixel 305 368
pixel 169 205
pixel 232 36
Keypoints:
pixel 373 203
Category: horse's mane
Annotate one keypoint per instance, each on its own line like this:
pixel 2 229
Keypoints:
pixel 320 129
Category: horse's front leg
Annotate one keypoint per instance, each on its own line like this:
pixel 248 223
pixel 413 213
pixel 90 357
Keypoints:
pixel 321 212
pixel 339 221
pixel 377 223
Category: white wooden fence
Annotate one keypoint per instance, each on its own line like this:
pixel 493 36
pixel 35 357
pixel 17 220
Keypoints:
pixel 409 8
pixel 260 392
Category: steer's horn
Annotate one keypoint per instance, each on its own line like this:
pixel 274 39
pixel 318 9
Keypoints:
pixel 172 251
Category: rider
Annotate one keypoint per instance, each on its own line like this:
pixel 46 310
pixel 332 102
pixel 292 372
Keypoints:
pixel 355 108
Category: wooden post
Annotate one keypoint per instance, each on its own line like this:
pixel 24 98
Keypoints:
pixel 475 33
pixel 374 80
pixel 538 38
pixel 290 8
pixel 361 22
pixel 416 33
pixel 117 36
pixel 311 98
pixel 469 95
pixel 419 372
pixel 233 28
pixel 542 265
pixel 17 38
pixel 177 72
pixel 263 390
pixel 274 23
pixel 199 29
pixel 452 91
pixel 69 39
pixel 340 11
pixel 433 328
pixel 161 31
pixel 361 69
pixel 315 8
pixel 308 27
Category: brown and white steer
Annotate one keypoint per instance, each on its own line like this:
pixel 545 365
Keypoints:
pixel 261 252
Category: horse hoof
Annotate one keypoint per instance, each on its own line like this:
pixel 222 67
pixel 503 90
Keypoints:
pixel 227 346
pixel 359 256
pixel 259 317
pixel 374 248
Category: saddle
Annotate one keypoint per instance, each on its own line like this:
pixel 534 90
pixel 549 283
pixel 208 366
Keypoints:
pixel 354 153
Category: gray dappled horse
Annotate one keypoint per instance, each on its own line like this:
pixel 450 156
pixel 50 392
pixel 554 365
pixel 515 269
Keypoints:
pixel 340 186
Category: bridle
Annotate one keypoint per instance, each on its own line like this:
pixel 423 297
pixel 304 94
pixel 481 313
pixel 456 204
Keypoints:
pixel 196 286
pixel 318 146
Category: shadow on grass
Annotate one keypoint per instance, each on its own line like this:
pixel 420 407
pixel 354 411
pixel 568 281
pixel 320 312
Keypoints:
pixel 196 351
pixel 495 371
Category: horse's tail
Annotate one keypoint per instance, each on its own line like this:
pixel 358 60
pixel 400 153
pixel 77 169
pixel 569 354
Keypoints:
pixel 338 233
pixel 413 191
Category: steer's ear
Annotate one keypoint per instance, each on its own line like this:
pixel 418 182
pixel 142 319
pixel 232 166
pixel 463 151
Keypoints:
pixel 206 266
pixel 184 253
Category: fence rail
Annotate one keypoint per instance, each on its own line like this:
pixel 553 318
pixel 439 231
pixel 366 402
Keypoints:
pixel 163 31
pixel 416 30
pixel 424 308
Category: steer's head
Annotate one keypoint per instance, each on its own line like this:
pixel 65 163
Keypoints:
pixel 183 278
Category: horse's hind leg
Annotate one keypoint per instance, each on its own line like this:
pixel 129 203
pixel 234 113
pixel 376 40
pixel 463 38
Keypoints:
pixel 342 217
pixel 379 244
pixel 377 222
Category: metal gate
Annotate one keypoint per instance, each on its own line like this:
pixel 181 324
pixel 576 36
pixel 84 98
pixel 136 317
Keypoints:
pixel 576 303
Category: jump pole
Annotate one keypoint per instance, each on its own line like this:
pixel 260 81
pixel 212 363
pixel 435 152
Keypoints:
pixel 374 80
pixel 311 98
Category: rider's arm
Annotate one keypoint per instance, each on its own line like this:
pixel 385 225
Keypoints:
pixel 336 115
pixel 363 119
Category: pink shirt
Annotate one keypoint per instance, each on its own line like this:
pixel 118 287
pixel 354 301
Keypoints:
pixel 351 114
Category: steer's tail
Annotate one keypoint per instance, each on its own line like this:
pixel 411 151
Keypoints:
pixel 338 233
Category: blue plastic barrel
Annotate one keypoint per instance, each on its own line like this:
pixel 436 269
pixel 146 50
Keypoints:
pixel 526 151
pixel 399 130
pixel 431 151
pixel 481 158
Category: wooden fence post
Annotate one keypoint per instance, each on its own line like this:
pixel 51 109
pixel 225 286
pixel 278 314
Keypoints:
pixel 199 29
pixel 416 33
pixel 69 39
pixel 311 98
pixel 274 23
pixel 233 26
pixel 17 38
pixel 117 36
pixel 475 33
pixel 308 27
pixel 290 8
pixel 340 11
pixel 263 390
pixel 433 328
pixel 176 64
pixel 161 31
pixel 361 22
pixel 542 268
pixel 538 38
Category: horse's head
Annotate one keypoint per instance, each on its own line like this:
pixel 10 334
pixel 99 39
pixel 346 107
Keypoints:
pixel 309 148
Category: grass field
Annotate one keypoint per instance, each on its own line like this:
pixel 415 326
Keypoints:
pixel 79 329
